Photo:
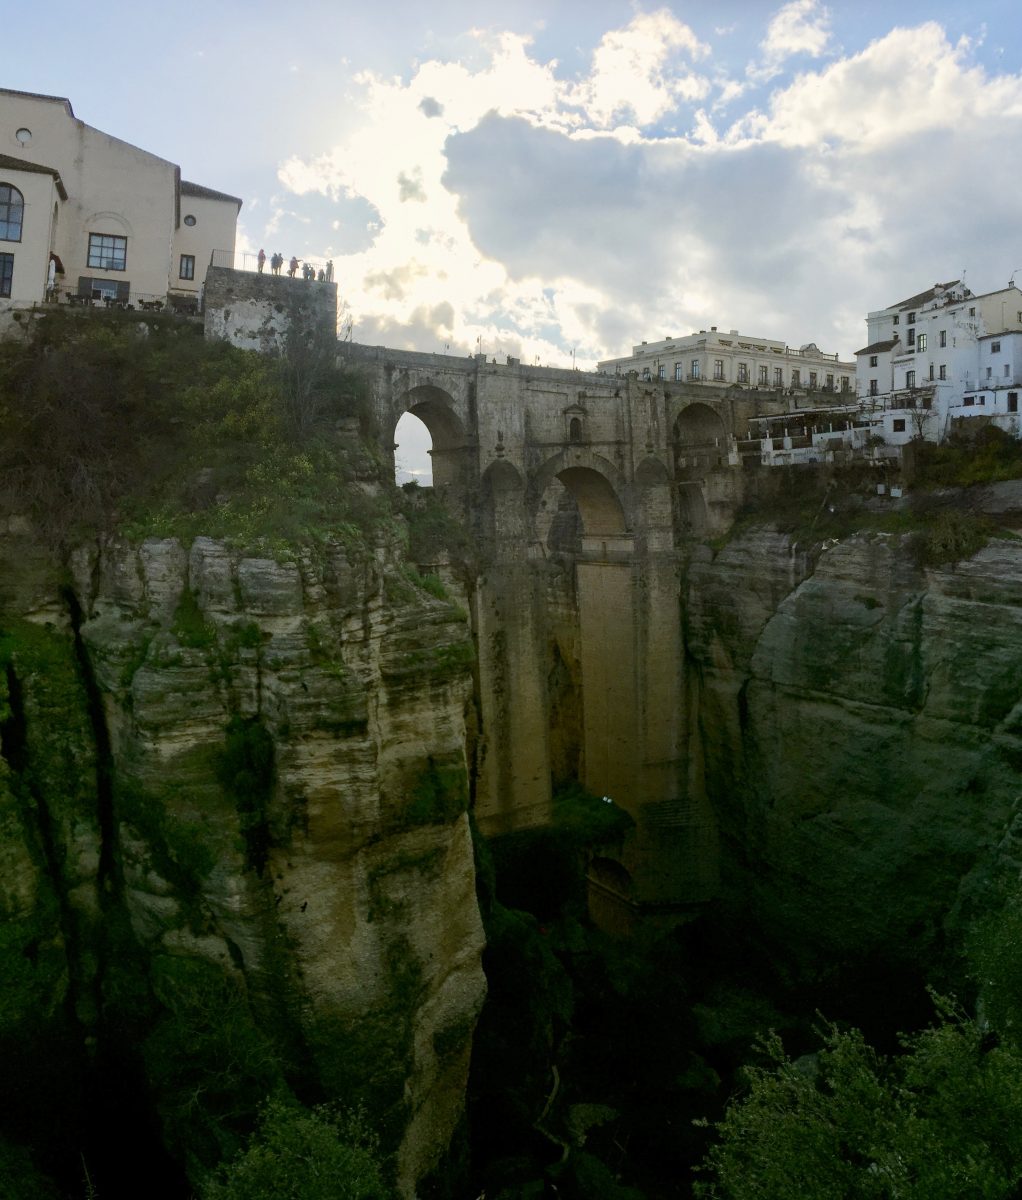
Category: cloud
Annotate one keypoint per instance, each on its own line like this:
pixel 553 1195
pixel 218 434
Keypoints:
pixel 800 27
pixel 509 204
pixel 637 72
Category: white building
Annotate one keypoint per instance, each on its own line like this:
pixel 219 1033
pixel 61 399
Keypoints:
pixel 939 356
pixel 735 358
pixel 116 222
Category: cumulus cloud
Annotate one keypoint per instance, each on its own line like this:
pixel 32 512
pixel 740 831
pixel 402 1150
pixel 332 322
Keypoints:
pixel 510 205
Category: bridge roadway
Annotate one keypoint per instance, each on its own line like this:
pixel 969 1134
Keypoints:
pixel 581 490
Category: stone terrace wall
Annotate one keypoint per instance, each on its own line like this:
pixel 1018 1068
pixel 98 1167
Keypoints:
pixel 255 311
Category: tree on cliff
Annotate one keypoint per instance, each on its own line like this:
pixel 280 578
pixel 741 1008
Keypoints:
pixel 298 1153
pixel 939 1121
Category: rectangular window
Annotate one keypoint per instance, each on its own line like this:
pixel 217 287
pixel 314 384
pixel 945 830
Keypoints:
pixel 830 383
pixel 187 270
pixel 972 312
pixel 911 337
pixel 873 360
pixel 778 377
pixel 679 372
pixel 897 319
pixel 921 344
pixel 695 368
pixel 796 378
pixel 990 372
pixel 812 379
pixel 968 401
pixel 6 273
pixel 661 372
pixel 718 368
pixel 1007 370
pixel 898 425
pixel 931 370
pixel 108 252
pixel 646 374
pixel 764 374
pixel 943 371
pixel 844 383
pixel 995 347
pixel 1013 402
pixel 910 379
pixel 873 387
pixel 911 318
pixel 943 338
pixel 743 372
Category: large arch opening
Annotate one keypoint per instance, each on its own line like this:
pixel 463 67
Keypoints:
pixel 597 503
pixel 432 447
pixel 700 441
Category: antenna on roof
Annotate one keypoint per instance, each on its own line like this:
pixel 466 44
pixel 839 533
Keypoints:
pixel 1011 277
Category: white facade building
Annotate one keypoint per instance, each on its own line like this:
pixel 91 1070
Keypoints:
pixel 939 356
pixel 115 222
pixel 736 359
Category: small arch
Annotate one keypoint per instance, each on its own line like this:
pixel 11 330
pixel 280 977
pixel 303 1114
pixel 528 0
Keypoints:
pixel 700 441
pixel 502 511
pixel 575 429
pixel 12 213
pixel 651 472
pixel 413 449
pixel 434 408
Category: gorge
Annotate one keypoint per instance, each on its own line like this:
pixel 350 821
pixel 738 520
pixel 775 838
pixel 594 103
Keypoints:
pixel 255 699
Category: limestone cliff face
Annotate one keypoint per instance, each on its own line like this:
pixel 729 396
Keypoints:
pixel 260 769
pixel 861 720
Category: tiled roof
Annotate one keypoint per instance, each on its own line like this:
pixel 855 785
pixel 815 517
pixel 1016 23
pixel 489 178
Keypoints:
pixel 923 297
pixel 878 347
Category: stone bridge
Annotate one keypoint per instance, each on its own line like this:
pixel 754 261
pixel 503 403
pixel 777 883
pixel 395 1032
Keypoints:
pixel 582 491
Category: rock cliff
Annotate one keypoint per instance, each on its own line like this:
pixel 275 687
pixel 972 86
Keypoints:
pixel 233 792
pixel 859 715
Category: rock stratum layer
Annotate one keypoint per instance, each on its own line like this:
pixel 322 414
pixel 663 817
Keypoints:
pixel 234 794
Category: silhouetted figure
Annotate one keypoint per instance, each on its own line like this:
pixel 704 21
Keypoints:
pixel 261 260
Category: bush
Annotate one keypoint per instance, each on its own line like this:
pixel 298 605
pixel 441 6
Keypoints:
pixel 302 1154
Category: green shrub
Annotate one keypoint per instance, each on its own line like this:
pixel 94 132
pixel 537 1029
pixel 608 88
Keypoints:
pixel 298 1153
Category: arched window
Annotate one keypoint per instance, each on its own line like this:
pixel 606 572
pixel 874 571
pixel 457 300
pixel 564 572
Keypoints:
pixel 575 430
pixel 12 212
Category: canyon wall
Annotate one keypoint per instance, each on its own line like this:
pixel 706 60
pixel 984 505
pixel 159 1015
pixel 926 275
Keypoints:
pixel 234 795
pixel 860 719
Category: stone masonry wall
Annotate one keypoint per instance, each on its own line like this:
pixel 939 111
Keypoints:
pixel 255 311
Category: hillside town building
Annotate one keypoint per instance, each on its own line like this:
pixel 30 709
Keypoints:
pixel 735 358
pixel 87 216
pixel 939 357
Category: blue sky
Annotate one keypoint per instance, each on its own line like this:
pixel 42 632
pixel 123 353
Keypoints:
pixel 534 178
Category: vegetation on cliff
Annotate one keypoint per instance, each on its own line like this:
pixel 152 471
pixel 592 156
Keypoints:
pixel 149 429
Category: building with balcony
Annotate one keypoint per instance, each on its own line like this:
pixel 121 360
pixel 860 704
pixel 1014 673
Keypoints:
pixel 733 358
pixel 941 356
pixel 86 215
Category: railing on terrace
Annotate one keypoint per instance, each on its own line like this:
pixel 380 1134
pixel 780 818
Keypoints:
pixel 135 301
pixel 245 260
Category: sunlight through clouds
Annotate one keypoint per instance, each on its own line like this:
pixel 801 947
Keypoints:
pixel 522 208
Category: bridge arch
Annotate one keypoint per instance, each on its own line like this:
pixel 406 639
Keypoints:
pixel 502 492
pixel 437 410
pixel 589 485
pixel 700 440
